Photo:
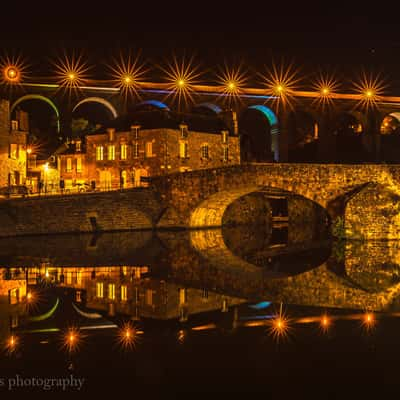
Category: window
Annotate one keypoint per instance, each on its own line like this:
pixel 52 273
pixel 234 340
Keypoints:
pixel 100 290
pixel 111 152
pixel 135 150
pixel 124 151
pixel 69 164
pixel 111 291
pixel 204 151
pixel 184 131
pixel 149 297
pixel 99 153
pixel 135 131
pixel 79 164
pixel 224 136
pixel 182 296
pixel 13 296
pixel 111 132
pixel 14 125
pixel 78 145
pixel 124 293
pixel 78 296
pixel 225 154
pixel 183 150
pixel 149 149
pixel 14 151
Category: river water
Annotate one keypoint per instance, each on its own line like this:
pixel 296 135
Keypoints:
pixel 212 312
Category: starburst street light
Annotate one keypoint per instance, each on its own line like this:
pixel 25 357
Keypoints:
pixel 281 83
pixel 370 89
pixel 326 86
pixel 71 72
pixel 181 76
pixel 128 336
pixel 128 73
pixel 13 70
pixel 231 82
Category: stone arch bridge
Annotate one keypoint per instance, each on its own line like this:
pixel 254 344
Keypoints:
pixel 362 200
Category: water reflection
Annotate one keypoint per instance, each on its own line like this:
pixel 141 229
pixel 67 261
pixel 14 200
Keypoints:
pixel 199 280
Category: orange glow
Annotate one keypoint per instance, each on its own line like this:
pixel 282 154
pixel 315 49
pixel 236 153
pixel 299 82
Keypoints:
pixel 325 323
pixel 281 83
pixel 72 339
pixel 13 70
pixel 279 328
pixel 231 81
pixel 11 344
pixel 128 73
pixel 370 89
pixel 29 150
pixel 181 76
pixel 128 336
pixel 368 321
pixel 71 71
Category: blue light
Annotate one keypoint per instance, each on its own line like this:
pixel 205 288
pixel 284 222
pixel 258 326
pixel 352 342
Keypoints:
pixel 272 119
pixel 154 103
pixel 261 305
pixel 210 106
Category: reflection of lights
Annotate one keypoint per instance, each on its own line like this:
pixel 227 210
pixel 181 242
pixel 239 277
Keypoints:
pixel 72 339
pixel 182 335
pixel 325 323
pixel 368 320
pixel 47 273
pixel 29 150
pixel 128 336
pixel 11 344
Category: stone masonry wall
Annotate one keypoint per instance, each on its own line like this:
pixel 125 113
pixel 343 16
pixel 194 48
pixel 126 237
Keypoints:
pixel 119 210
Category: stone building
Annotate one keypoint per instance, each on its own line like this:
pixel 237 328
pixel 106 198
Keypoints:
pixel 150 143
pixel 13 139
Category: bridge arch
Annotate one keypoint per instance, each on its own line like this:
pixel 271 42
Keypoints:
pixel 42 98
pixel 99 100
pixel 390 138
pixel 209 106
pixel 152 103
pixel 303 124
pixel 259 133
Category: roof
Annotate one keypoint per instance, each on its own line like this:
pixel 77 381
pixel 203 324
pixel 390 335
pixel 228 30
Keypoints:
pixel 157 119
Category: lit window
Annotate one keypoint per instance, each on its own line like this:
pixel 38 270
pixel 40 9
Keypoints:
pixel 100 290
pixel 124 151
pixel 182 296
pixel 135 150
pixel 111 152
pixel 224 136
pixel 124 293
pixel 99 153
pixel 79 164
pixel 111 291
pixel 78 145
pixel 111 134
pixel 14 296
pixel 204 151
pixel 225 154
pixel 13 151
pixel 14 125
pixel 149 149
pixel 78 296
pixel 69 164
pixel 183 149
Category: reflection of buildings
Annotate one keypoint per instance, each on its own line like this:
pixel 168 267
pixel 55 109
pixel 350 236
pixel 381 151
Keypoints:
pixel 126 152
pixel 13 137
pixel 12 294
pixel 129 290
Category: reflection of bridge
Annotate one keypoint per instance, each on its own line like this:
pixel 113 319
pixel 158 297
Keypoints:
pixel 359 276
pixel 264 125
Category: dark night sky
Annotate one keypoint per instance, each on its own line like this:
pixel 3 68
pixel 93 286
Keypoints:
pixel 341 41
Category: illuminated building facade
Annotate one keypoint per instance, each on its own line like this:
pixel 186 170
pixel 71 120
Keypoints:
pixel 13 139
pixel 127 151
